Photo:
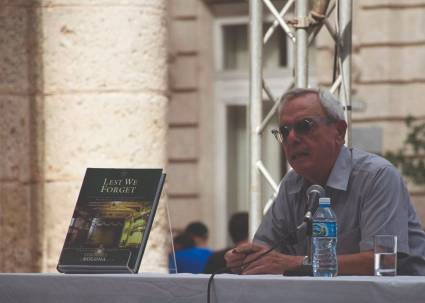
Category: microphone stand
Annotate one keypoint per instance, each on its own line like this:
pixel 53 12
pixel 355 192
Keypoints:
pixel 308 220
pixel 305 269
pixel 314 192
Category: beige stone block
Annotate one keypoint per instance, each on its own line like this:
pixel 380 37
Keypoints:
pixel 183 143
pixel 390 100
pixel 395 26
pixel 384 64
pixel 394 134
pixel 416 190
pixel 183 8
pixel 60 199
pixel 14 47
pixel 183 108
pixel 183 35
pixel 184 72
pixel 104 48
pixel 111 130
pixel 161 4
pixel 324 38
pixel 16 145
pixel 19 235
pixel 371 3
pixel 183 178
pixel 324 65
pixel 419 204
pixel 8 3
pixel 184 211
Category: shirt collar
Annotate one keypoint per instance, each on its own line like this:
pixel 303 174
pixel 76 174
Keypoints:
pixel 338 179
pixel 341 170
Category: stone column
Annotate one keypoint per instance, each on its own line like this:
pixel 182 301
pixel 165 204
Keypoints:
pixel 101 95
pixel 20 206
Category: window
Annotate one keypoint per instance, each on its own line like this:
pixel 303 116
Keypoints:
pixel 236 52
pixel 231 53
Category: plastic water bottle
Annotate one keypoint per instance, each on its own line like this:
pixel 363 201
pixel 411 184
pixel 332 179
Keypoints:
pixel 323 248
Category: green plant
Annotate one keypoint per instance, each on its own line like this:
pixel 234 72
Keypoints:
pixel 410 159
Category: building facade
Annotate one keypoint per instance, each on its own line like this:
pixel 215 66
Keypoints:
pixel 164 83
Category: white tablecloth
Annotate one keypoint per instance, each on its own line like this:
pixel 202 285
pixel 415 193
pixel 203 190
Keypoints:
pixel 158 288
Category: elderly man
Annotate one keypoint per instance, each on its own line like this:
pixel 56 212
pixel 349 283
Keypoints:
pixel 367 194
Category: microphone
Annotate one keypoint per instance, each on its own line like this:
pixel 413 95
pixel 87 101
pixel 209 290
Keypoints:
pixel 314 192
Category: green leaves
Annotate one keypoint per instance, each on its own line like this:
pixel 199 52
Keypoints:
pixel 410 159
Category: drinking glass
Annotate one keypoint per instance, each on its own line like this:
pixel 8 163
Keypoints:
pixel 385 255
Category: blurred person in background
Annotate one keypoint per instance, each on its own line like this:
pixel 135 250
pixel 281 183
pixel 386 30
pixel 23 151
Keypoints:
pixel 198 232
pixel 191 251
pixel 180 242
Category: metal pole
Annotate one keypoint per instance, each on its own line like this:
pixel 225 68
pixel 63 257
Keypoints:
pixel 301 67
pixel 345 36
pixel 255 111
pixel 301 61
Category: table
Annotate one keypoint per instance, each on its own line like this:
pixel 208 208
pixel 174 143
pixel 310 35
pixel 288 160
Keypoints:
pixel 188 288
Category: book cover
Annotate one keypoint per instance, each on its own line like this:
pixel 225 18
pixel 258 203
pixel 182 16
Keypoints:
pixel 111 221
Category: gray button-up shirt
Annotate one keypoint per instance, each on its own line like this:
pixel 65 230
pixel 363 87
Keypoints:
pixel 368 196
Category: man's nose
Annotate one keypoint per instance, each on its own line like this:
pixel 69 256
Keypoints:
pixel 292 137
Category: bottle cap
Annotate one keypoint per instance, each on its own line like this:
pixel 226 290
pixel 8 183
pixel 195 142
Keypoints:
pixel 325 201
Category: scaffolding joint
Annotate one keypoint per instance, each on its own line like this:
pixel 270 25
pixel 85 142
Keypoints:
pixel 304 22
pixel 313 19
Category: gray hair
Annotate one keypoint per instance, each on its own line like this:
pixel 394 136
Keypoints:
pixel 329 102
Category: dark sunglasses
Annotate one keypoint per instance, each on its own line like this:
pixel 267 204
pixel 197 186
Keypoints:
pixel 301 127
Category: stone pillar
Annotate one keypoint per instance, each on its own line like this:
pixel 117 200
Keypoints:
pixel 20 206
pixel 101 95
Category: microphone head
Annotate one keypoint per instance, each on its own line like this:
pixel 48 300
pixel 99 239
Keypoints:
pixel 317 189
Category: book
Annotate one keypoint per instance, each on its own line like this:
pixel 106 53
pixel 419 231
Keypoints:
pixel 111 222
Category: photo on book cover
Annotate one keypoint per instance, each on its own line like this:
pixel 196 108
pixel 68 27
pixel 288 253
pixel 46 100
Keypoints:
pixel 111 221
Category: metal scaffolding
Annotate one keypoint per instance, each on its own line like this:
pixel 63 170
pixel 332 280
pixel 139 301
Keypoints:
pixel 311 16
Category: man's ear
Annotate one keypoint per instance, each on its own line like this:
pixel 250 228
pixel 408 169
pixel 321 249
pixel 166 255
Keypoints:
pixel 341 128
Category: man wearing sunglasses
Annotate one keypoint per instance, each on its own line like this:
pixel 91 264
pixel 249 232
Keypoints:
pixel 367 194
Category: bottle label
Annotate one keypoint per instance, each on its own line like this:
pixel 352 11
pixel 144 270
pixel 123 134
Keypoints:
pixel 324 229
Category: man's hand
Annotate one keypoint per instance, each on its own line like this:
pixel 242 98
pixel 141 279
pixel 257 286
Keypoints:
pixel 239 260
pixel 235 257
pixel 271 263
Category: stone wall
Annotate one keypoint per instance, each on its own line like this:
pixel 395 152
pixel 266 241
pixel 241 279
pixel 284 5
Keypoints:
pixel 84 85
pixel 20 193
pixel 191 114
